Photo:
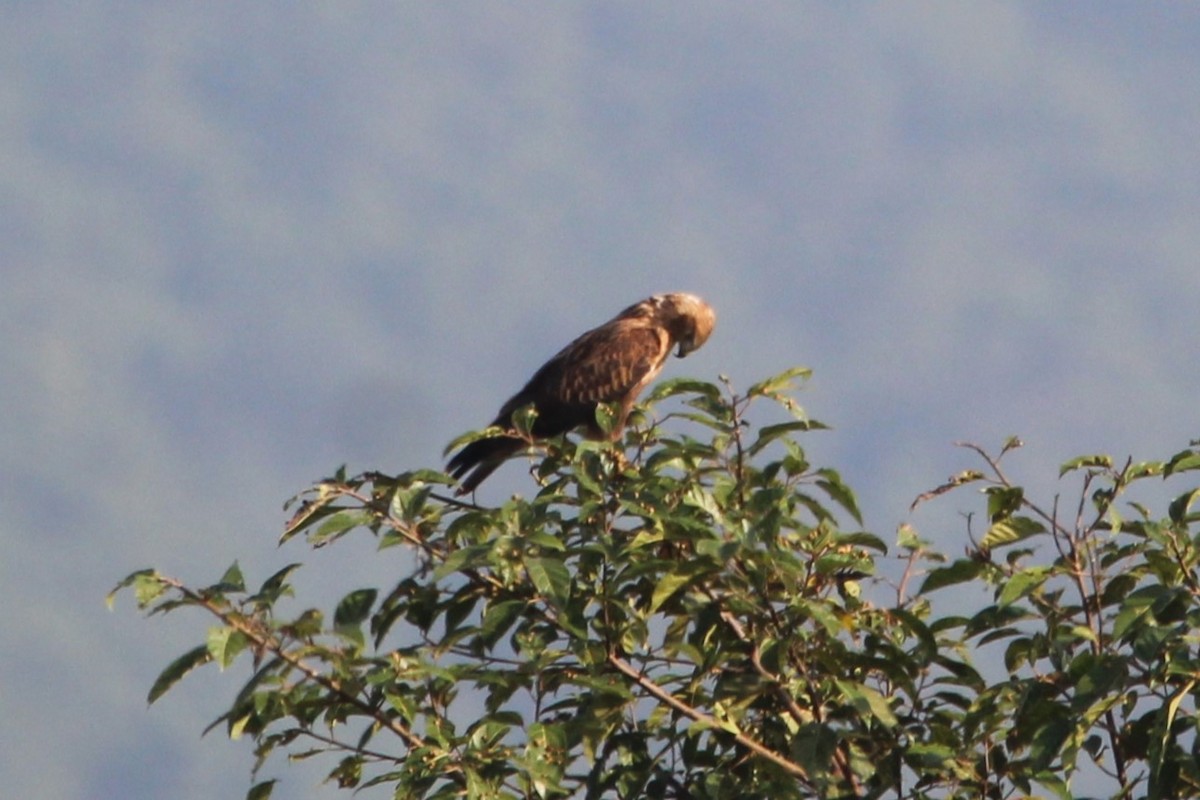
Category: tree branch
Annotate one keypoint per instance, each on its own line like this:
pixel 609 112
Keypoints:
pixel 662 695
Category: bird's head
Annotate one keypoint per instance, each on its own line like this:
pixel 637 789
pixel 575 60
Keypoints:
pixel 687 318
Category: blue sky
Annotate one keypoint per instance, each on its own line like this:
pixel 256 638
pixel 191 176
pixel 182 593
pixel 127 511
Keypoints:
pixel 244 244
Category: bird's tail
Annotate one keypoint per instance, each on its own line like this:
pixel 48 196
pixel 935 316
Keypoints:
pixel 481 458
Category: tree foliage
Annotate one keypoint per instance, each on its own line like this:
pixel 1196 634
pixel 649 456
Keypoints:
pixel 697 614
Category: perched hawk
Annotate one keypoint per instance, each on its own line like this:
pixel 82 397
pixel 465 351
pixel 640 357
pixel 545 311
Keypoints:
pixel 609 364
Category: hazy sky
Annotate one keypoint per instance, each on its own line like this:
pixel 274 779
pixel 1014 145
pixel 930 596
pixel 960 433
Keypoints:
pixel 243 244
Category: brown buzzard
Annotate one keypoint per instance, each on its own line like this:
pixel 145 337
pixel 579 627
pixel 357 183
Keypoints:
pixel 609 364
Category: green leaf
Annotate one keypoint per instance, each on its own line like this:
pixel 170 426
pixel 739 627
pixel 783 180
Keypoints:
pixel 148 587
pixel 498 618
pixel 465 558
pixel 769 433
pixel 1096 678
pixel 1003 501
pixel 348 772
pixel 960 571
pixel 415 478
pixel 354 608
pixel 232 580
pixel 1136 609
pixel 672 582
pixel 175 671
pixel 275 586
pixel 1020 651
pixel 868 700
pixel 1144 469
pixel 813 747
pixel 1055 783
pixel 1184 461
pixel 930 757
pixel 224 644
pixel 523 420
pixel 607 416
pixel 704 500
pixel 1159 753
pixel 908 539
pixel 551 578
pixel 409 503
pixel 459 607
pixel 1011 443
pixel 237 725
pixel 1048 741
pixel 338 524
pixel 545 539
pixel 467 438
pixel 1021 584
pixel 822 615
pixel 778 383
pixel 1086 462
pixel 1181 505
pixel 675 386
pixel 831 482
pixel 864 539
pixel 147 583
pixel 1010 530
pixel 261 791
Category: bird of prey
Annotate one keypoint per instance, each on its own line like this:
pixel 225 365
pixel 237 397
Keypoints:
pixel 609 364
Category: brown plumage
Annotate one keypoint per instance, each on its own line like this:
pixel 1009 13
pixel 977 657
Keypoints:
pixel 609 364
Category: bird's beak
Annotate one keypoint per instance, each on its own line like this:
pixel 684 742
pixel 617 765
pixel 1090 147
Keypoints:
pixel 683 349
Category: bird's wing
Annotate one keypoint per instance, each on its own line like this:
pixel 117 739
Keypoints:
pixel 604 365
